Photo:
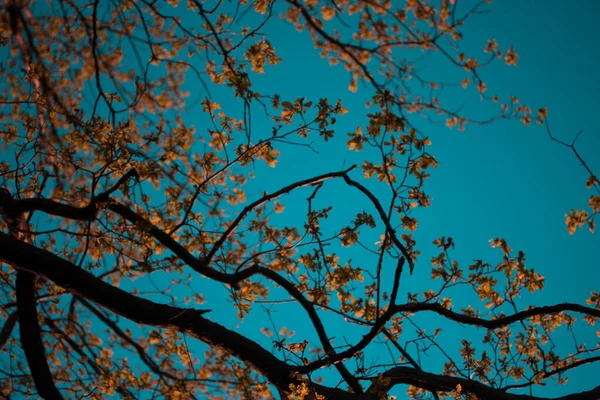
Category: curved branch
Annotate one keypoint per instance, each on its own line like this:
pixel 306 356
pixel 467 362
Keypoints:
pixel 191 322
pixel 434 382
pixel 186 320
pixel 146 359
pixel 87 213
pixel 382 214
pixel 312 314
pixel 498 322
pixel 30 335
pixel 85 357
pixel 269 197
pixel 202 267
pixel 8 327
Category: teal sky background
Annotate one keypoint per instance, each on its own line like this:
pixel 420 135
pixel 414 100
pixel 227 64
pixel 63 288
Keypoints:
pixel 499 180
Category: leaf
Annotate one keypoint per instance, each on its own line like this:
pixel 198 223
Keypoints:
pixel 451 122
pixel 511 57
pixel 327 134
pixel 267 332
pixel 481 87
pixel 591 181
pixel 575 219
pixel 278 207
pixel 328 12
pixel 356 140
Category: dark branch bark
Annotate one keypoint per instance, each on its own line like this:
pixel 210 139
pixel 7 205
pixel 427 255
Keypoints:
pixel 30 335
pixel 87 213
pixel 312 314
pixel 146 359
pixel 29 330
pixel 450 315
pixel 188 321
pixel 203 268
pixel 269 197
pixel 382 214
pixel 500 321
pixel 433 382
pixel 8 327
pixel 265 360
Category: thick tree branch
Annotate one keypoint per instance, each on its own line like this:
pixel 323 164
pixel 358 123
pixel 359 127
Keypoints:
pixel 29 330
pixel 87 213
pixel 30 335
pixel 146 359
pixel 189 321
pixel 202 267
pixel 397 275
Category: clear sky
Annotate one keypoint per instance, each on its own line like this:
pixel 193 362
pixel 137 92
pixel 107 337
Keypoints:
pixel 502 180
pixel 499 180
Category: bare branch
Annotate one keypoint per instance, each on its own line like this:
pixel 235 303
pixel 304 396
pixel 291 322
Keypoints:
pixel 30 335
pixel 433 382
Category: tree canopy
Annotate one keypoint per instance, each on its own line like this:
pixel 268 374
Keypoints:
pixel 179 220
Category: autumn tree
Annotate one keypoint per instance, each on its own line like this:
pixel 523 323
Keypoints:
pixel 162 237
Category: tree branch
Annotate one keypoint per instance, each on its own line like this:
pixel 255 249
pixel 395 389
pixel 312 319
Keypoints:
pixel 30 335
pixel 312 314
pixel 498 322
pixel 433 382
pixel 8 327
pixel 390 230
pixel 269 197
pixel 186 320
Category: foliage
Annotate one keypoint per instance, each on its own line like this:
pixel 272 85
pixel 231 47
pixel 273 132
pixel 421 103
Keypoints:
pixel 115 203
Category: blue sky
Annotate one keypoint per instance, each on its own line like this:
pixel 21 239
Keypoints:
pixel 500 180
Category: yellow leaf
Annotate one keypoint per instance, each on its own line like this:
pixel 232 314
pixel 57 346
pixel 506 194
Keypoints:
pixel 511 57
pixel 543 112
pixel 481 87
pixel 592 180
pixel 328 12
pixel 287 114
pixel 267 332
pixel 279 207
